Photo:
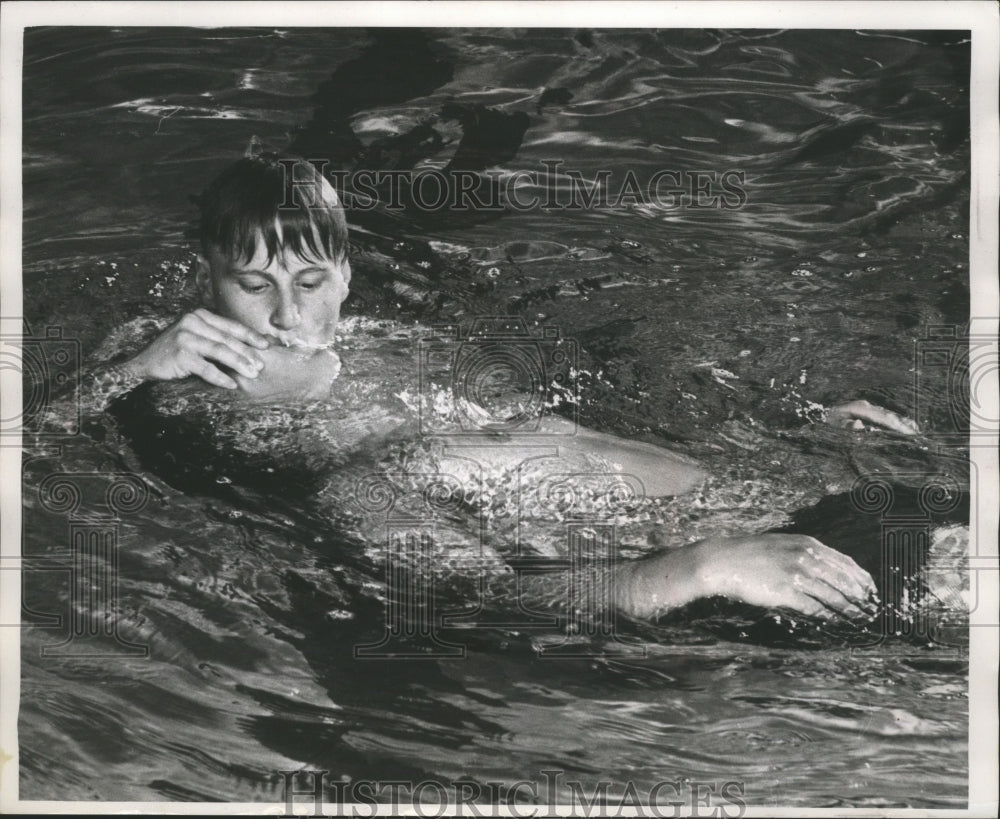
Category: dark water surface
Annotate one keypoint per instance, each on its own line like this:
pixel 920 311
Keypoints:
pixel 721 332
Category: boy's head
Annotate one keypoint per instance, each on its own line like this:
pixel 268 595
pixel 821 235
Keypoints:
pixel 274 249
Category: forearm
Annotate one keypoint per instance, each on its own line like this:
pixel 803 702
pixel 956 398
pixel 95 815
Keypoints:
pixel 643 588
pixel 653 585
pixel 89 394
pixel 102 385
pixel 114 373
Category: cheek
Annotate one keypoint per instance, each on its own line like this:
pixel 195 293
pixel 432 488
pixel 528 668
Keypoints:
pixel 326 308
pixel 329 312
pixel 235 304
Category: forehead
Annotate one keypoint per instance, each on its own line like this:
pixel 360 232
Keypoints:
pixel 284 261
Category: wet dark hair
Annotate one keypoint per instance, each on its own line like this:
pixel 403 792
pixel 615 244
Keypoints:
pixel 243 203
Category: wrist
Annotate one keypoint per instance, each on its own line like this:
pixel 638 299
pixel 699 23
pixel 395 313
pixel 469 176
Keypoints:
pixel 123 376
pixel 663 581
pixel 132 370
pixel 632 593
pixel 111 382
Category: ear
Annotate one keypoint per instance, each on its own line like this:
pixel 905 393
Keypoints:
pixel 203 281
pixel 345 271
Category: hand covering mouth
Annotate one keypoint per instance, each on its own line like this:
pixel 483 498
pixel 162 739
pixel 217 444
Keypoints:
pixel 288 338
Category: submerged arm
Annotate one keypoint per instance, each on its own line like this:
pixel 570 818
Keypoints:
pixel 157 349
pixel 854 413
pixel 99 383
pixel 662 473
pixel 773 571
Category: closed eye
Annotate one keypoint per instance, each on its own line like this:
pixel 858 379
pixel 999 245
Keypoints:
pixel 253 288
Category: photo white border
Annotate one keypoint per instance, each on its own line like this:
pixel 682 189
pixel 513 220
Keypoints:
pixel 980 16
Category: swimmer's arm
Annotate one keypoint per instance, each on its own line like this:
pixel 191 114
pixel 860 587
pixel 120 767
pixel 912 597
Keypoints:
pixel 853 414
pixel 89 394
pixel 100 382
pixel 663 473
pixel 100 386
pixel 193 345
pixel 201 343
pixel 773 571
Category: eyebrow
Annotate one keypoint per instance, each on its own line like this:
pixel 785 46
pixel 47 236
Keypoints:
pixel 233 271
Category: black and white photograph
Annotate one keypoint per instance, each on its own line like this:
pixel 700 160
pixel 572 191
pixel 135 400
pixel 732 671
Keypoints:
pixel 499 409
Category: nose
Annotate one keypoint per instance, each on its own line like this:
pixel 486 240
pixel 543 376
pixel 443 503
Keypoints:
pixel 285 315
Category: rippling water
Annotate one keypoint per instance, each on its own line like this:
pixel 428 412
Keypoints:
pixel 717 331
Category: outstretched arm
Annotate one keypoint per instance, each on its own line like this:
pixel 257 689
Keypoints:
pixel 772 571
pixel 663 473
pixel 853 414
pixel 792 573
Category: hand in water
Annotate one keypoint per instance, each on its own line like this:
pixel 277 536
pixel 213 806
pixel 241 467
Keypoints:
pixel 773 571
pixel 854 413
pixel 197 345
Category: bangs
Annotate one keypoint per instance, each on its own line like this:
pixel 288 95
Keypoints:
pixel 287 204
